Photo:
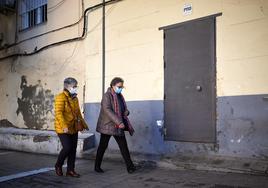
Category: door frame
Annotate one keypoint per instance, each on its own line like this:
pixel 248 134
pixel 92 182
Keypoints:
pixel 214 112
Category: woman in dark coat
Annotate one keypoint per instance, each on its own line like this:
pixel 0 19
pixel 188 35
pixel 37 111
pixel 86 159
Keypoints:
pixel 113 121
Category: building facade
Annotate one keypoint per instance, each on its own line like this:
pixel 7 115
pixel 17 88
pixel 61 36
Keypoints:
pixel 195 71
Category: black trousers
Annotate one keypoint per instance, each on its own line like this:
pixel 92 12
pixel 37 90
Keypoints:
pixel 69 145
pixel 122 143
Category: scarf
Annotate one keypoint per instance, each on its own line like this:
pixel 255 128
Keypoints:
pixel 117 111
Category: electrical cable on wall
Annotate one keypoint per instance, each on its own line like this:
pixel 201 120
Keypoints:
pixel 68 59
pixel 75 49
pixel 45 33
pixel 55 6
pixel 68 40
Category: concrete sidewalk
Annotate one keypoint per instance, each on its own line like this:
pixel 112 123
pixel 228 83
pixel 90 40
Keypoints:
pixel 219 164
pixel 13 164
pixel 205 163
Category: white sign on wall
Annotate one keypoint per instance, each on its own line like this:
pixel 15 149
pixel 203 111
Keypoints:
pixel 187 9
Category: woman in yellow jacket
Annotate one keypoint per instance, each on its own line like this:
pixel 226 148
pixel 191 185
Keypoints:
pixel 67 114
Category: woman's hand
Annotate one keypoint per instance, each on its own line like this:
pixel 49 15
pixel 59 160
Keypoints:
pixel 65 130
pixel 126 113
pixel 121 126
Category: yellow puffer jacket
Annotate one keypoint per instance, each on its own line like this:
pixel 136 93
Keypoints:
pixel 64 117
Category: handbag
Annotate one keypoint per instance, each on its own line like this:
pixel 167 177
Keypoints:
pixel 77 121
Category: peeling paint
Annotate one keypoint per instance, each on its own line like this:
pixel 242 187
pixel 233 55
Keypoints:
pixel 35 104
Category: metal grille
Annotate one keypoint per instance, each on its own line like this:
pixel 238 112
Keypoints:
pixel 32 13
pixel 28 5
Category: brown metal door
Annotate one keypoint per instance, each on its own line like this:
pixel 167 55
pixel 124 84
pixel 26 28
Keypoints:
pixel 189 81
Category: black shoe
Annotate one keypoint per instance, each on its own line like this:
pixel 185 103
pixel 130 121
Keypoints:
pixel 131 169
pixel 99 170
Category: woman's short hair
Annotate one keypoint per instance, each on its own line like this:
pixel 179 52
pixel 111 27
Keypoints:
pixel 115 81
pixel 70 82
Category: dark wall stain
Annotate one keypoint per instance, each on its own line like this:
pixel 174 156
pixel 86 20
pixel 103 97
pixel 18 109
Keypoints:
pixel 5 123
pixel 35 104
pixel 40 138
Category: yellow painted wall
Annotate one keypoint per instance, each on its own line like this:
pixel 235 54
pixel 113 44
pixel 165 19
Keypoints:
pixel 243 48
pixel 135 46
pixel 134 49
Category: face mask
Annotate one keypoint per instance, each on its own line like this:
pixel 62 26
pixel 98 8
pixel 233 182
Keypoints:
pixel 73 91
pixel 118 90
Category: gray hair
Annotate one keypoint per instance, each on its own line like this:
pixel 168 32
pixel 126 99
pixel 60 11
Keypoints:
pixel 69 82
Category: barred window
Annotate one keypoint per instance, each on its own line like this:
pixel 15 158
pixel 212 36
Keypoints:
pixel 32 13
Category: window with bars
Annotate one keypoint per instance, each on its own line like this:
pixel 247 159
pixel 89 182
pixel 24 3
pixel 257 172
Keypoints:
pixel 32 13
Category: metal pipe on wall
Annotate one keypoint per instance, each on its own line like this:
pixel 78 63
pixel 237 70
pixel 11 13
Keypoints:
pixel 103 47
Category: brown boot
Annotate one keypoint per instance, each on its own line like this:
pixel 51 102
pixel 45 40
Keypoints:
pixel 58 171
pixel 72 173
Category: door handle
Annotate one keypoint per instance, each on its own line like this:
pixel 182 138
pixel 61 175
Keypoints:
pixel 198 88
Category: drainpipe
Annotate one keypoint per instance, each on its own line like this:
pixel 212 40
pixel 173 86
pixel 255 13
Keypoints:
pixel 103 47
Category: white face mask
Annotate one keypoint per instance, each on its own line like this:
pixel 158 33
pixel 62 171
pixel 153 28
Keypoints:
pixel 73 91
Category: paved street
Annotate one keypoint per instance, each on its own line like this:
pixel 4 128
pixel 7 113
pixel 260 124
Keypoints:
pixel 38 173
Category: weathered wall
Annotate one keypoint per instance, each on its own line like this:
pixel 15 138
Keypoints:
pixel 134 51
pixel 29 84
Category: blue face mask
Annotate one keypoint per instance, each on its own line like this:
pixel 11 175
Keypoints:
pixel 118 90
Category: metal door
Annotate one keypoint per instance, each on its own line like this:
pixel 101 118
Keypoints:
pixel 189 81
